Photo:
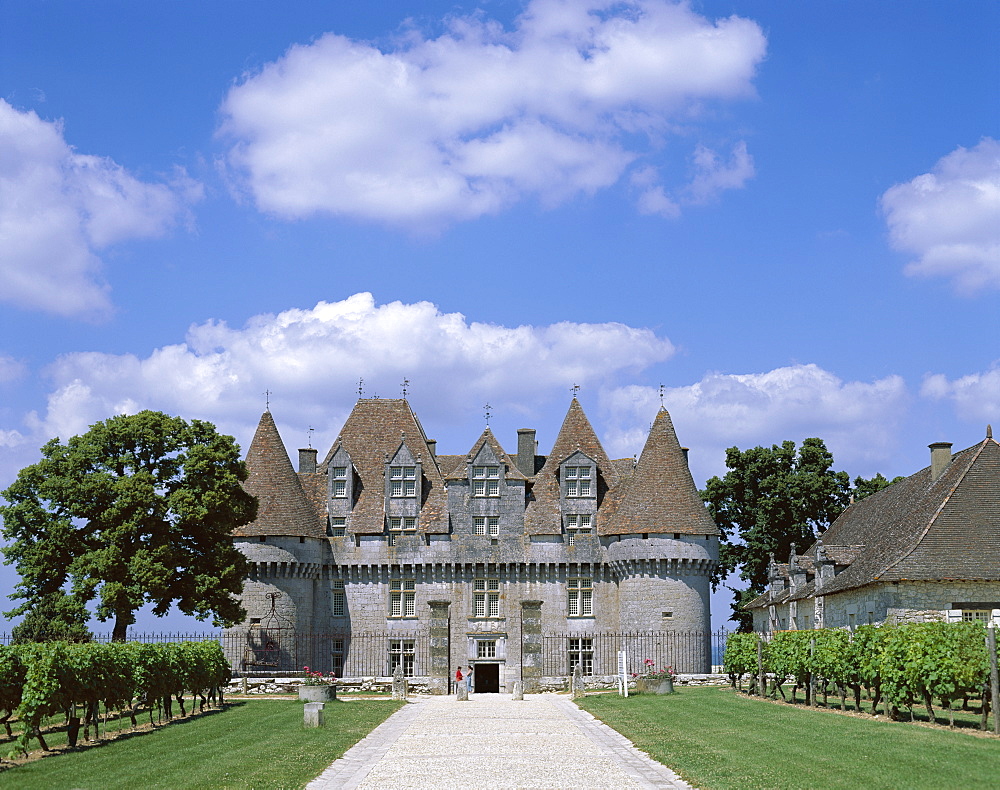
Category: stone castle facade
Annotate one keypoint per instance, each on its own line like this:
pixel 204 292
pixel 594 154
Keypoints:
pixel 483 552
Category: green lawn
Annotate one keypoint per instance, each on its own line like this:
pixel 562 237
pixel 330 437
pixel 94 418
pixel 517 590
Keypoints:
pixel 254 744
pixel 717 739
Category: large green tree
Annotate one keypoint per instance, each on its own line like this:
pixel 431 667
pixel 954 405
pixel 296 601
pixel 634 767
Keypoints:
pixel 770 498
pixel 54 617
pixel 140 509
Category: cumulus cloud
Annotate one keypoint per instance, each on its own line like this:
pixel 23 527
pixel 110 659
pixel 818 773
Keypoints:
pixel 857 420
pixel 436 130
pixel 975 396
pixel 313 358
pixel 948 218
pixel 59 209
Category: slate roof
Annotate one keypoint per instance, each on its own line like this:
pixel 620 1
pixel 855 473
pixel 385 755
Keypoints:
pixel 373 430
pixel 920 529
pixel 660 495
pixel 283 506
pixel 542 516
pixel 458 471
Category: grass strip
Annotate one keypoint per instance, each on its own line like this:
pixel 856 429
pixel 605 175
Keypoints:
pixel 718 739
pixel 253 744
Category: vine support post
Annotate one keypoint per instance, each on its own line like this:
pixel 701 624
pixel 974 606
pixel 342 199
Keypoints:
pixel 812 676
pixel 991 649
pixel 761 683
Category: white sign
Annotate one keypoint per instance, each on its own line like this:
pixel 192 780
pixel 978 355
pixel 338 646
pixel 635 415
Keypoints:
pixel 622 673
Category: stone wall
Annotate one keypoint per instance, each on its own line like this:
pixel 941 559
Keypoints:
pixel 906 601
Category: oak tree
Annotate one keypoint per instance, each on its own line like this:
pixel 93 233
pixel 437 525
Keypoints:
pixel 140 509
pixel 770 498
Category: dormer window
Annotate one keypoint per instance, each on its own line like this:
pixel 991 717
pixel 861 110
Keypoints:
pixel 338 483
pixel 485 481
pixel 403 481
pixel 576 525
pixel 402 524
pixel 578 481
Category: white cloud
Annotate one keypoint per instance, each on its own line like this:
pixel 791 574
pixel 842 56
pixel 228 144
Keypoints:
pixel 59 209
pixel 312 360
pixel 437 130
pixel 713 176
pixel 950 218
pixel 11 369
pixel 975 396
pixel 857 420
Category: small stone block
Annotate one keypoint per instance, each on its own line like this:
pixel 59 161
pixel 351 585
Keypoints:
pixel 462 694
pixel 518 690
pixel 313 714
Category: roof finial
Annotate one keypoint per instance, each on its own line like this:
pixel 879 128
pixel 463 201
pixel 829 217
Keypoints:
pixel 662 388
pixel 406 383
pixel 361 388
pixel 310 434
pixel 267 400
pixel 989 431
pixel 576 390
pixel 487 413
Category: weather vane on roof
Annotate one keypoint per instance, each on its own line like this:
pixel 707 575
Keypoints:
pixel 406 383
pixel 488 413
pixel 662 390
pixel 361 387
pixel 576 390
pixel 310 434
pixel 267 400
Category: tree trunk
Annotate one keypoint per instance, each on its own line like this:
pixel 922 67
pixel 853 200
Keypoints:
pixel 120 632
pixel 929 706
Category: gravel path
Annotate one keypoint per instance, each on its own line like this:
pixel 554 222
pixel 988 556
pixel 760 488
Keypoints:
pixel 491 742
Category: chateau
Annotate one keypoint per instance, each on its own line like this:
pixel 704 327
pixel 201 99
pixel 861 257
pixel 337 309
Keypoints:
pixel 389 545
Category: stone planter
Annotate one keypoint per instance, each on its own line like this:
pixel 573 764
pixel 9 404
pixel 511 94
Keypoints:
pixel 654 686
pixel 317 693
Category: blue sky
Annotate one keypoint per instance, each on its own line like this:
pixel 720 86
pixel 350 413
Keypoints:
pixel 788 214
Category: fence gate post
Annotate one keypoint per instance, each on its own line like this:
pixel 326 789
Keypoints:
pixel 531 646
pixel 440 647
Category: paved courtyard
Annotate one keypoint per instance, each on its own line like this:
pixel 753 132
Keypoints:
pixel 492 742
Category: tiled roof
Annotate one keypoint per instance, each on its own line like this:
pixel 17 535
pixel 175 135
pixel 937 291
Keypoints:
pixel 450 464
pixel 660 496
pixel 283 506
pixel 458 472
pixel 542 516
pixel 920 529
pixel 374 430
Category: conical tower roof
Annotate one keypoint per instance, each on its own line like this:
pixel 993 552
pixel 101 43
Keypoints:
pixel 542 516
pixel 660 496
pixel 283 508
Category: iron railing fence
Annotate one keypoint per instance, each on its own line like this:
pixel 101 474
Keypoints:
pixel 685 651
pixel 376 654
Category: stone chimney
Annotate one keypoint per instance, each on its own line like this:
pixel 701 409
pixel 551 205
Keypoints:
pixel 307 460
pixel 940 458
pixel 526 446
pixel 432 445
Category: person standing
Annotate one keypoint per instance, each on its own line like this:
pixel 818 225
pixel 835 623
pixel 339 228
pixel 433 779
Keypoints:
pixel 458 678
pixel 468 679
